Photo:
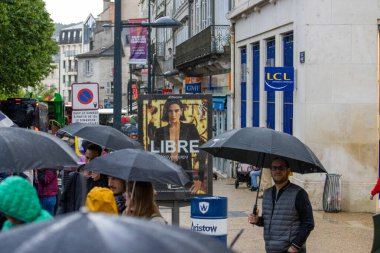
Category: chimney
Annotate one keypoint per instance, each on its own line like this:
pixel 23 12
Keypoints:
pixel 106 4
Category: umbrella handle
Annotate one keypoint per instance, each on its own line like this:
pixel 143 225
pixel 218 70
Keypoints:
pixel 261 166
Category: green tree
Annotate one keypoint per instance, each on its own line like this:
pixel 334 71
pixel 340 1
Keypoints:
pixel 26 44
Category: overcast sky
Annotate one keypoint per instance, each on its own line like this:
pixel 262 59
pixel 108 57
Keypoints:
pixel 73 11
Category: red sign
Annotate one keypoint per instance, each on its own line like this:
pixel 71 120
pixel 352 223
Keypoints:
pixel 167 91
pixel 135 91
pixel 85 96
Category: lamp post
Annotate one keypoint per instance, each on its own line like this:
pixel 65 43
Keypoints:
pixel 117 68
pixel 163 22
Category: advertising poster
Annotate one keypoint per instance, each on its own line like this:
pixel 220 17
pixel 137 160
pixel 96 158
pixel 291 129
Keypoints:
pixel 175 126
pixel 138 42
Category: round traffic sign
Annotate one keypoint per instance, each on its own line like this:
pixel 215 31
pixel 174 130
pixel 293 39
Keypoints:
pixel 85 96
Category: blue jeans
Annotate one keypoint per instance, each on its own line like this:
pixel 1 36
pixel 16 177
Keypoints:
pixel 254 174
pixel 48 204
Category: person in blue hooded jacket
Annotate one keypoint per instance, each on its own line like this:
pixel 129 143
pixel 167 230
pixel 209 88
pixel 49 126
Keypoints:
pixel 19 203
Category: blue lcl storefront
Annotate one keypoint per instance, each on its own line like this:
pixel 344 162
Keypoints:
pixel 219 125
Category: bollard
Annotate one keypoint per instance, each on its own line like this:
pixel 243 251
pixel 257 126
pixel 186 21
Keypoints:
pixel 209 216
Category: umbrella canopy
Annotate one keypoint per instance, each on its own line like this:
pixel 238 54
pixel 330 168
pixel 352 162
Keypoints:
pixel 22 149
pixel 105 136
pixel 99 233
pixel 258 146
pixel 139 165
pixel 5 121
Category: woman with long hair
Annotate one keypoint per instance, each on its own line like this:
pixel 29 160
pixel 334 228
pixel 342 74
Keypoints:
pixel 140 202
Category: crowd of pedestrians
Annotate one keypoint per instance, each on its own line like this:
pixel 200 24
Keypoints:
pixel 36 196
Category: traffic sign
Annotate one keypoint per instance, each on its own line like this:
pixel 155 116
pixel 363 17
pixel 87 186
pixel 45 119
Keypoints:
pixel 85 96
pixel 87 116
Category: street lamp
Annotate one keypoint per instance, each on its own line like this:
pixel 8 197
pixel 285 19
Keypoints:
pixel 163 22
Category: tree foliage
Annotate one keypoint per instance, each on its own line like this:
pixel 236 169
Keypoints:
pixel 26 44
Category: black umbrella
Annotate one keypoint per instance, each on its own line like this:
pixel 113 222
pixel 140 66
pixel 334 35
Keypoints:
pixel 105 136
pixel 22 149
pixel 259 146
pixel 139 165
pixel 100 233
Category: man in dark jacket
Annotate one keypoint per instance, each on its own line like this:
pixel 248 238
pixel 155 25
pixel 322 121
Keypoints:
pixel 287 213
pixel 78 184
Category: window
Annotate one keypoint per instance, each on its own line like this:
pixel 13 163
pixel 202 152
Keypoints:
pixel 288 95
pixel 64 64
pixel 271 99
pixel 109 89
pixel 243 87
pixel 64 79
pixel 256 85
pixel 88 69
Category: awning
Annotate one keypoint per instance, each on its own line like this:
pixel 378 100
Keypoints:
pixel 219 103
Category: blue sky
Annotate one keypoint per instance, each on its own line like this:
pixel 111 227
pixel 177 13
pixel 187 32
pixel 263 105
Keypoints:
pixel 73 11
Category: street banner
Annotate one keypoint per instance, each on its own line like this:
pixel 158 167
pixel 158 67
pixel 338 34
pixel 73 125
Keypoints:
pixel 138 42
pixel 175 126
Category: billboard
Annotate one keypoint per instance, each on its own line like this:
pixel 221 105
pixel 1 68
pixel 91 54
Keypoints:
pixel 175 126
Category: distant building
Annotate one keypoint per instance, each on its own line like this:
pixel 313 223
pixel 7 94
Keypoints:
pixel 73 40
pixel 52 80
pixel 97 64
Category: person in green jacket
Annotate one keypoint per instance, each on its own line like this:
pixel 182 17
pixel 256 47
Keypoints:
pixel 19 203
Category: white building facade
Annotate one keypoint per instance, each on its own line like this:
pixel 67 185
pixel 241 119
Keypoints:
pixel 70 44
pixel 333 47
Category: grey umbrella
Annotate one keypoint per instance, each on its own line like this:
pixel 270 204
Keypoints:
pixel 139 165
pixel 105 136
pixel 100 233
pixel 23 149
pixel 258 146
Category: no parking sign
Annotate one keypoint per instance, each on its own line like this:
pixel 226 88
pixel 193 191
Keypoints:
pixel 85 96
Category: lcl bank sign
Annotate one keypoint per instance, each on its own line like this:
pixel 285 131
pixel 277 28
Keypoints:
pixel 279 78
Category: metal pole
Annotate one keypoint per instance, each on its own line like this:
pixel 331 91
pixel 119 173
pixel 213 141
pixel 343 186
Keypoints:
pixel 154 73
pixel 130 90
pixel 175 213
pixel 149 53
pixel 117 67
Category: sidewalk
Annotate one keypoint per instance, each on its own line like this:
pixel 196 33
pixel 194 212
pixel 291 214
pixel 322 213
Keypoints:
pixel 334 232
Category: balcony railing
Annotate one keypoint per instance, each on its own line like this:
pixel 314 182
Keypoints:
pixel 69 53
pixel 214 39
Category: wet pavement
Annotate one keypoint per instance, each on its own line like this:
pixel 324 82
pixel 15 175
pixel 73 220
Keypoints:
pixel 334 232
